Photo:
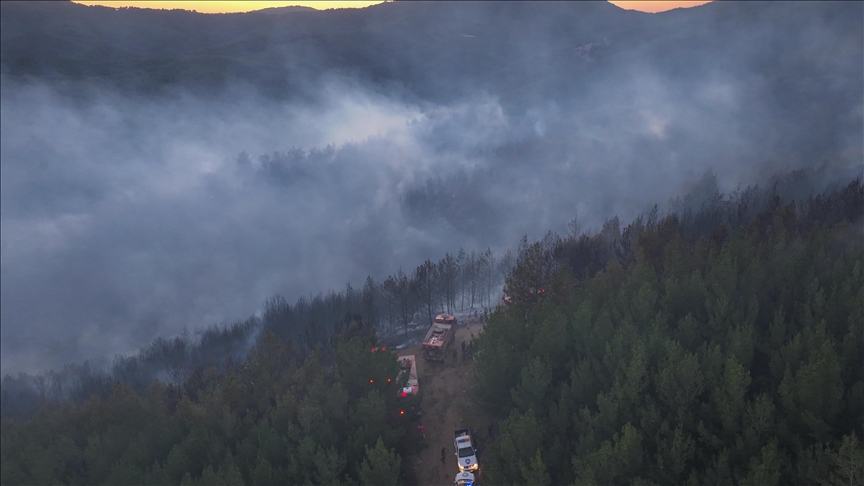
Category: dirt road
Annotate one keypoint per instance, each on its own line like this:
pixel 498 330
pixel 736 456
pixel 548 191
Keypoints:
pixel 444 389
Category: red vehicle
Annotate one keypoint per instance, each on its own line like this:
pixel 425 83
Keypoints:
pixel 439 337
pixel 445 319
pixel 408 366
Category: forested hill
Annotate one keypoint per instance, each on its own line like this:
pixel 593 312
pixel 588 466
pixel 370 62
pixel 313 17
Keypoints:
pixel 278 418
pixel 719 342
pixel 436 50
pixel 724 345
pixel 165 170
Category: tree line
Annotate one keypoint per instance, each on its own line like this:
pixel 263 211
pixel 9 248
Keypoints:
pixel 716 345
pixel 466 280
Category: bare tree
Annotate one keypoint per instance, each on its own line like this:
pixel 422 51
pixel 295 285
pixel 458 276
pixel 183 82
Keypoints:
pixel 574 228
pixel 461 262
pixel 391 295
pixel 489 268
pixel 506 264
pixel 448 271
pixel 403 296
pixel 473 267
pixel 370 301
pixel 425 277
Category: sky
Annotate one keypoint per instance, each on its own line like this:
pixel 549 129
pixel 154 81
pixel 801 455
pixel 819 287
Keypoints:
pixel 247 6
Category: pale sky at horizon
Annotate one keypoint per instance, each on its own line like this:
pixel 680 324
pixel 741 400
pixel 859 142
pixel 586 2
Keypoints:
pixel 248 6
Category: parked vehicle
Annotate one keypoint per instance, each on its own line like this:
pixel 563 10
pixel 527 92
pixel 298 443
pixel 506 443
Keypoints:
pixel 464 478
pixel 408 366
pixel 466 455
pixel 446 319
pixel 437 340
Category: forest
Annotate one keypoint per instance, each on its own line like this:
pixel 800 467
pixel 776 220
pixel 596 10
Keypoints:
pixel 699 321
pixel 307 404
pixel 277 418
pixel 466 280
pixel 719 342
pixel 716 346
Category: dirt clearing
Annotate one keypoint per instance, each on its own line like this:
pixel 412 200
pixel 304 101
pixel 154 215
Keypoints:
pixel 444 389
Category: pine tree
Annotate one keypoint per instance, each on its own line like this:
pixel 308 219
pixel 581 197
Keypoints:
pixel 381 466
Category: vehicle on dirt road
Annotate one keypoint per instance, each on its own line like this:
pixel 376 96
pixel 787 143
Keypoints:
pixel 464 478
pixel 437 340
pixel 466 455
pixel 408 371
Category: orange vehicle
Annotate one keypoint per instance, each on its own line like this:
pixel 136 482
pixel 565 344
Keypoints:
pixel 439 337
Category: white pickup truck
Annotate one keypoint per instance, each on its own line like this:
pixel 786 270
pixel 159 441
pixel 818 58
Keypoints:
pixel 466 455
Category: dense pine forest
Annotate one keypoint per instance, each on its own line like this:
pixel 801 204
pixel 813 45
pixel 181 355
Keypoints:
pixel 715 346
pixel 276 419
pixel 718 342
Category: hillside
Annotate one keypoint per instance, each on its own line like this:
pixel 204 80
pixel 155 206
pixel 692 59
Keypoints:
pixel 698 347
pixel 434 51
pixel 211 226
pixel 721 344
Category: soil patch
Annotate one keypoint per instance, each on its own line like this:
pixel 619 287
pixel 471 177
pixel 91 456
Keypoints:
pixel 444 391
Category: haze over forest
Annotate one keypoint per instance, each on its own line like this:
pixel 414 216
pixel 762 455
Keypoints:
pixel 166 170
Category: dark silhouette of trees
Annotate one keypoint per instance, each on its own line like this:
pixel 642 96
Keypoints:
pixel 280 417
pixel 426 283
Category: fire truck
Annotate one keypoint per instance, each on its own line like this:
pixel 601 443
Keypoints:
pixel 441 334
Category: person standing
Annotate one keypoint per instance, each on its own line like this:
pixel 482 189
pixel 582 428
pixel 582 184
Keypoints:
pixel 422 430
pixel 443 451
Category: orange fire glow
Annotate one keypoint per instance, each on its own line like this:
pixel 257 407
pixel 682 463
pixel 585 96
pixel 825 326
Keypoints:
pixel 248 6
pixel 655 6
pixel 227 6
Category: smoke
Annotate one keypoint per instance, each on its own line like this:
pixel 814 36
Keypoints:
pixel 124 217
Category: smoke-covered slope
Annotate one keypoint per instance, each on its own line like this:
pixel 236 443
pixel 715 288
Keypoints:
pixel 164 170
